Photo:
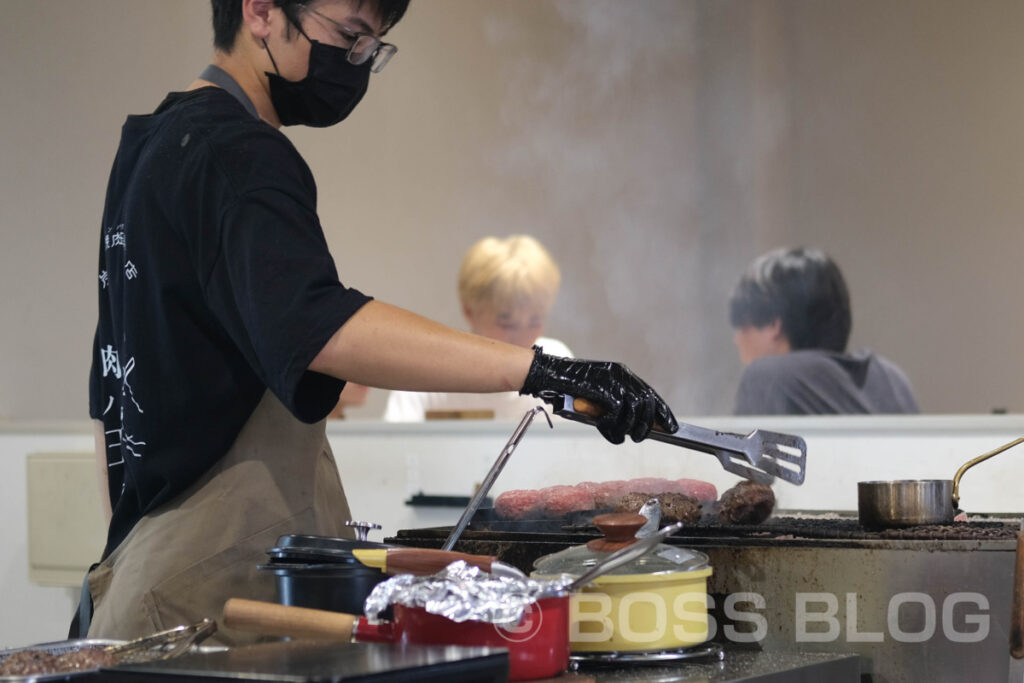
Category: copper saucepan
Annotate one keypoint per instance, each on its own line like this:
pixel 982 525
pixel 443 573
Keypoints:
pixel 888 504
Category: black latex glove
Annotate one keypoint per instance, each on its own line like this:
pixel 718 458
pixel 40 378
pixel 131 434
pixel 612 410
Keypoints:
pixel 630 405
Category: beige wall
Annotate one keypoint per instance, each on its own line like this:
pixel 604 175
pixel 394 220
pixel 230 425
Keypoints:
pixel 654 146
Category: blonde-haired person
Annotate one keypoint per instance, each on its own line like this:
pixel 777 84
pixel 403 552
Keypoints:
pixel 507 287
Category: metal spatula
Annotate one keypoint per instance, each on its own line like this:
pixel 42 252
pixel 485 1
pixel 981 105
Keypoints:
pixel 492 475
pixel 759 456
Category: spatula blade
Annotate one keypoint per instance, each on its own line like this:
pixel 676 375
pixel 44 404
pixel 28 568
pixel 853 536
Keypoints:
pixel 783 455
pixel 738 465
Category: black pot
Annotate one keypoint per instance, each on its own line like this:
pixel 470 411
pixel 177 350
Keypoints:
pixel 321 572
pixel 335 587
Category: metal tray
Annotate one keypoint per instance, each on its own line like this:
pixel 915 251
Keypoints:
pixel 62 646
pixel 57 648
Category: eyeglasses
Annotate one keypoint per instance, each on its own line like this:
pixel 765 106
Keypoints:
pixel 362 47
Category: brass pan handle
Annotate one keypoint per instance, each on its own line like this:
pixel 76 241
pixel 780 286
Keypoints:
pixel 971 463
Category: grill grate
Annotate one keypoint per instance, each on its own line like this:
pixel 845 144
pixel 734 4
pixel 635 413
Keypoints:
pixel 824 526
pixel 828 529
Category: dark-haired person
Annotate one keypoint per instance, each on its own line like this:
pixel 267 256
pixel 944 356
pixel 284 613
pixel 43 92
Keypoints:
pixel 225 337
pixel 791 316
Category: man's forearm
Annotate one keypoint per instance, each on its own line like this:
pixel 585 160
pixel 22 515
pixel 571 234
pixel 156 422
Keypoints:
pixel 391 348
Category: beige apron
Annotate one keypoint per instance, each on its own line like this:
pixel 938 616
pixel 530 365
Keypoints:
pixel 179 564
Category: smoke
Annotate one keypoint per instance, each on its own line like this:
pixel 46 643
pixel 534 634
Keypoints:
pixel 606 120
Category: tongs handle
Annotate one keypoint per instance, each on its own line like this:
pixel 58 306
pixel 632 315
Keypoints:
pixel 691 436
pixel 594 411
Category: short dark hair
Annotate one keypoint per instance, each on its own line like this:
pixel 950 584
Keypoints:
pixel 227 16
pixel 803 288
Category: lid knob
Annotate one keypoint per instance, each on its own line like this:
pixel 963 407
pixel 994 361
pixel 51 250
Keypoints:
pixel 619 529
pixel 362 528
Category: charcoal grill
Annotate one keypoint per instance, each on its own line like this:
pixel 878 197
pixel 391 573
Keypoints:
pixel 921 603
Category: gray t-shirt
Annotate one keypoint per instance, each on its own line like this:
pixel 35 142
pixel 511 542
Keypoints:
pixel 817 382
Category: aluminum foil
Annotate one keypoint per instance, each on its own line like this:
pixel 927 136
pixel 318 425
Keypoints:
pixel 462 593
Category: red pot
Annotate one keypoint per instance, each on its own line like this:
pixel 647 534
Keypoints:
pixel 538 646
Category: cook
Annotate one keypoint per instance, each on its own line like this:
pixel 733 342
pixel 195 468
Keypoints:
pixel 225 337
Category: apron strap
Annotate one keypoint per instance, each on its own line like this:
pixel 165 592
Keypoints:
pixel 218 76
pixel 83 616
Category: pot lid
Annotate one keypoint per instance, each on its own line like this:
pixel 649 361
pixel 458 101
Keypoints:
pixel 318 570
pixel 299 555
pixel 302 548
pixel 302 570
pixel 308 542
pixel 619 531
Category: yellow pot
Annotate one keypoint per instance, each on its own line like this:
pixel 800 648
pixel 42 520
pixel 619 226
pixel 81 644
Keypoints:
pixel 655 602
pixel 640 612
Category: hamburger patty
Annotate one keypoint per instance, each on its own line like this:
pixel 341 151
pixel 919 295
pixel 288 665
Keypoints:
pixel 746 503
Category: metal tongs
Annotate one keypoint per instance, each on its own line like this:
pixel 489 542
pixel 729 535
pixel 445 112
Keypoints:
pixel 759 456
pixel 162 645
pixel 492 475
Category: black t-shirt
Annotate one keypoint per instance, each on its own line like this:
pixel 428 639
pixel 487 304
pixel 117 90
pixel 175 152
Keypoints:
pixel 215 284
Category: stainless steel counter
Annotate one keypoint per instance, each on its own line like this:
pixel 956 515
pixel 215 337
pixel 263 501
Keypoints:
pixel 311 662
pixel 737 665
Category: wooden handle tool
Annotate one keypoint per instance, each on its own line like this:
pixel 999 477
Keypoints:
pixel 418 561
pixel 271 619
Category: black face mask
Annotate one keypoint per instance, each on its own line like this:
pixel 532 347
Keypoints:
pixel 330 91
